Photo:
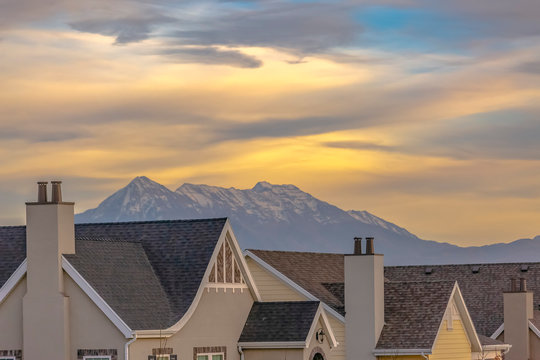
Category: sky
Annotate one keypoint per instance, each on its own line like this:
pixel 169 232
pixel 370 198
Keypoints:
pixel 425 113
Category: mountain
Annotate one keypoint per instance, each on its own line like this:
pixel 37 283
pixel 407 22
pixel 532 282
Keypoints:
pixel 283 217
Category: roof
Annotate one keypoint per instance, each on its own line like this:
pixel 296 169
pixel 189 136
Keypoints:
pixel 323 274
pixel 484 340
pixel 148 272
pixel 288 321
pixel 320 274
pixel 405 307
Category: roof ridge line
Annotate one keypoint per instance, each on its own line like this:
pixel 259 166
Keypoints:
pixel 151 221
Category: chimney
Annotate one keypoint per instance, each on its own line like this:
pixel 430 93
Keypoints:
pixel 364 301
pixel 518 309
pixel 50 232
pixel 357 246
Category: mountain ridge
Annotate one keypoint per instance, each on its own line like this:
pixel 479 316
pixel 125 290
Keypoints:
pixel 283 217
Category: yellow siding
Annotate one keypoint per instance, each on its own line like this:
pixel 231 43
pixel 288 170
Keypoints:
pixel 339 332
pixel 270 287
pixel 452 344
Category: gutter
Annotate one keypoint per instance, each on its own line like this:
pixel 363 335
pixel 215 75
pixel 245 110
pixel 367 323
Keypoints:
pixel 126 347
pixel 239 350
pixel 390 352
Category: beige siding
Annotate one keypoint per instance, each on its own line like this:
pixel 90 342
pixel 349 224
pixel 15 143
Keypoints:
pixel 11 330
pixel 274 354
pixel 90 328
pixel 534 345
pixel 315 346
pixel 339 332
pixel 217 321
pixel 452 344
pixel 270 287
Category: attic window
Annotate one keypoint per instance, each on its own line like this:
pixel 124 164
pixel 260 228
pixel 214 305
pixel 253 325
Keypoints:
pixel 524 268
pixel 428 271
pixel 475 269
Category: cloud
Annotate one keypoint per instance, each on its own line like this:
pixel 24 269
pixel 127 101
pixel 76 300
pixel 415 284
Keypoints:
pixel 125 30
pixel 303 27
pixel 212 56
pixel 531 67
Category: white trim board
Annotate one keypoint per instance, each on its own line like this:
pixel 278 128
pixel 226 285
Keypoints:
pixel 13 280
pixel 97 299
pixel 293 285
pixel 273 345
pixel 390 352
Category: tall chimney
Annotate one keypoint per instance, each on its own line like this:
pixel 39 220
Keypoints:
pixel 364 302
pixel 357 246
pixel 42 191
pixel 370 250
pixel 50 232
pixel 56 192
pixel 518 309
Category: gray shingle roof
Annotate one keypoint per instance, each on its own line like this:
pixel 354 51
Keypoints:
pixel 320 274
pixel 279 321
pixel 406 305
pixel 148 272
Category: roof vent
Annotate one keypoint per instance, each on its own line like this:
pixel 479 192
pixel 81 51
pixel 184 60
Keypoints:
pixel 475 269
pixel 428 270
pixel 524 268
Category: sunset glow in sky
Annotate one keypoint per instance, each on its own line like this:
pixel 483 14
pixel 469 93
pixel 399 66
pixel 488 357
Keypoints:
pixel 425 113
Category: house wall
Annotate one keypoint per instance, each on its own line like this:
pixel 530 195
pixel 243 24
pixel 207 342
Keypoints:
pixel 90 328
pixel 534 345
pixel 217 322
pixel 338 327
pixel 315 346
pixel 452 344
pixel 270 287
pixel 11 319
pixel 274 354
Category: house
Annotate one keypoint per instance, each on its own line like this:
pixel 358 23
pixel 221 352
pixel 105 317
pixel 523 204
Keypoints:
pixel 373 316
pixel 169 290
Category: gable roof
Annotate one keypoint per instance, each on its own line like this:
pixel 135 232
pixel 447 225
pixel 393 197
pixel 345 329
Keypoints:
pixel 148 272
pixel 406 304
pixel 323 275
pixel 288 321
pixel 320 274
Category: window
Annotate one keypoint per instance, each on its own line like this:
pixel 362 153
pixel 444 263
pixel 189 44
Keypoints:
pixel 96 357
pixel 217 356
pixel 7 358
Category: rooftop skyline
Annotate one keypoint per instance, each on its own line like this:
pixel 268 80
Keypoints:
pixel 423 113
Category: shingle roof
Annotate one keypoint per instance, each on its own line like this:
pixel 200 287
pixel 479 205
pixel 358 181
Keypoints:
pixel 405 307
pixel 484 340
pixel 279 321
pixel 148 272
pixel 321 274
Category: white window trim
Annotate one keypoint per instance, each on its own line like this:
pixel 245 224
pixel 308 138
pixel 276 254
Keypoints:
pixel 103 357
pixel 210 355
pixel 8 358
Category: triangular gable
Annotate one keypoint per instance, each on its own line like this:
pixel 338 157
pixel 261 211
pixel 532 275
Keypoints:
pixel 327 328
pixel 227 242
pixel 12 281
pixel 457 309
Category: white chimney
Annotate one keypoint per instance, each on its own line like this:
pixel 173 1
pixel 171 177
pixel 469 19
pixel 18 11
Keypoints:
pixel 518 309
pixel 364 301
pixel 50 232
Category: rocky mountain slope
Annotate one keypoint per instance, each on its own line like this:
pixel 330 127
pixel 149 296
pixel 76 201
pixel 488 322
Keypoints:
pixel 286 218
